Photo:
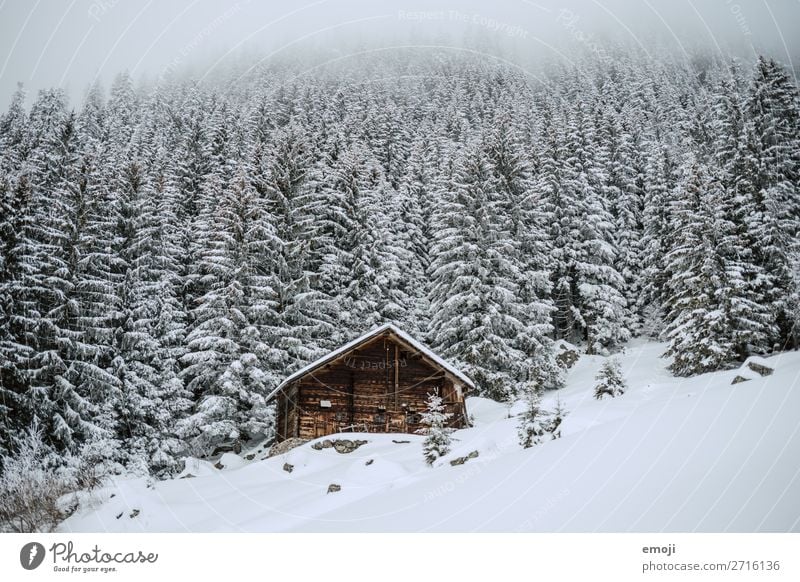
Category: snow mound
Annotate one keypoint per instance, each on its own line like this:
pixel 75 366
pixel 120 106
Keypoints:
pixel 485 411
pixel 196 468
pixel 229 461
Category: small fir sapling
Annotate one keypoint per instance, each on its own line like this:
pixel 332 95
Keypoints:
pixel 610 381
pixel 435 418
pixel 533 421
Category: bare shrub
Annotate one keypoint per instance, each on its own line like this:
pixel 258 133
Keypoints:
pixel 37 486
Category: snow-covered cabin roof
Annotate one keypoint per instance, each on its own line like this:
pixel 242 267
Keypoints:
pixel 399 333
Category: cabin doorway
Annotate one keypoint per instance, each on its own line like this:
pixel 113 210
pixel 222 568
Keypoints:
pixel 323 423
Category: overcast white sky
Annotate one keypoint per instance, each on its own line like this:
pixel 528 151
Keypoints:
pixel 68 43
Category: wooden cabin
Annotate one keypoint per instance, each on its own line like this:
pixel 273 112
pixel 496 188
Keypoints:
pixel 379 382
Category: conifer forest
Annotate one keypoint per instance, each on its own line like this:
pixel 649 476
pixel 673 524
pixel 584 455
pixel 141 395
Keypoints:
pixel 171 251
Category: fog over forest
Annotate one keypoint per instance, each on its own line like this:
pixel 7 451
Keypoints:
pixel 71 44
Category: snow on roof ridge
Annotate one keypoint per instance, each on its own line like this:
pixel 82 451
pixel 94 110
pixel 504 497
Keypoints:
pixel 351 344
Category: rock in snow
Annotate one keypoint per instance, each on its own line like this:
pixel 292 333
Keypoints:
pixel 462 460
pixel 759 366
pixel 342 446
pixel 285 446
pixel 566 354
pixel 754 367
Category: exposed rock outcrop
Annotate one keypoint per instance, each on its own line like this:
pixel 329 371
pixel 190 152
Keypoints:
pixel 285 446
pixel 566 354
pixel 342 446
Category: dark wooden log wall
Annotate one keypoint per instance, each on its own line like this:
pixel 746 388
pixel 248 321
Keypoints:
pixel 380 387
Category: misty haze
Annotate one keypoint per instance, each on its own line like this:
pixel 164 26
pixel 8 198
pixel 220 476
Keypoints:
pixel 50 43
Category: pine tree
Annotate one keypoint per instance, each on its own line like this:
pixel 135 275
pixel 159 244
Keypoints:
pixel 349 240
pixel 711 318
pixel 601 306
pixel 477 315
pixel 371 292
pixel 661 178
pixel 168 325
pixel 557 418
pixel 14 138
pixel 561 213
pixel 773 106
pixel 622 186
pixel 587 288
pixel 609 380
pixel 281 178
pixel 437 433
pixel 530 251
pixel 388 137
pixel 227 359
pixel 14 351
pixel 15 200
pixel 112 179
pixel 152 396
pixel 533 421
pixel 197 186
pixel 752 293
pixel 46 314
pixel 412 229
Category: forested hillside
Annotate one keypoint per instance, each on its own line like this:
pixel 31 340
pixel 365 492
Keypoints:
pixel 170 252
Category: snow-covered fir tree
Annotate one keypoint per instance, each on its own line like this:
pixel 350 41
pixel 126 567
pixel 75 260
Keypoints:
pixel 609 380
pixel 716 314
pixel 52 343
pixel 530 250
pixel 533 422
pixel 475 299
pixel 280 175
pixel 437 434
pixel 349 239
pixel 556 419
pixel 773 106
pixel 227 361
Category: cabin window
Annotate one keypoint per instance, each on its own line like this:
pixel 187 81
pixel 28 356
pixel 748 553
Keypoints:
pixel 341 416
pixel 379 418
pixel 413 418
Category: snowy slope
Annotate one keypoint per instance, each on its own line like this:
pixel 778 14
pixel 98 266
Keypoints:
pixel 670 454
